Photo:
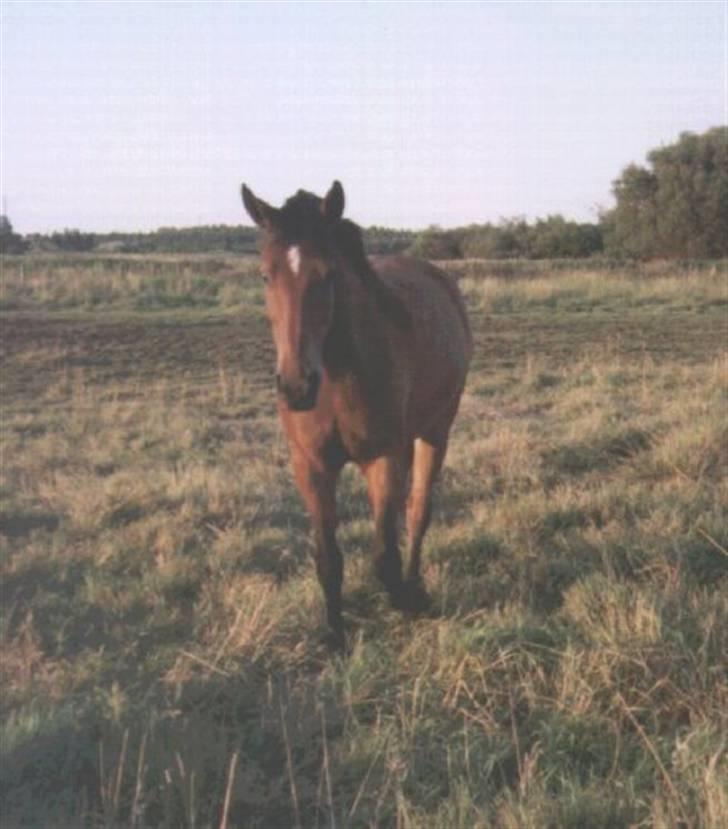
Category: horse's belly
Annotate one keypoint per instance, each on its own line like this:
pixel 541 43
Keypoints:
pixel 439 369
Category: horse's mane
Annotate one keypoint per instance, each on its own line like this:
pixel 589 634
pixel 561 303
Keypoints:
pixel 301 219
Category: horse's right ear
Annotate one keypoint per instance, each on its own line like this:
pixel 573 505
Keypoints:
pixel 259 211
pixel 332 204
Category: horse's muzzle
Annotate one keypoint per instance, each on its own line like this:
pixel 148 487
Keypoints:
pixel 300 397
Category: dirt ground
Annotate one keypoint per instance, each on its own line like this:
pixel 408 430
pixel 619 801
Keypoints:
pixel 36 349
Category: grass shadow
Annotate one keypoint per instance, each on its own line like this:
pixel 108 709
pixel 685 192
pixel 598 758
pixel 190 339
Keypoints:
pixel 483 572
pixel 599 455
pixel 20 523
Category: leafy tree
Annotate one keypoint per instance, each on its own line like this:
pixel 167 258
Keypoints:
pixel 74 240
pixel 507 240
pixel 633 223
pixel 479 241
pixel 511 239
pixel 677 207
pixel 435 243
pixel 553 237
pixel 385 240
pixel 10 241
pixel 557 238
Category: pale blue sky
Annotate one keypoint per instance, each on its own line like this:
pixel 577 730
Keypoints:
pixel 135 115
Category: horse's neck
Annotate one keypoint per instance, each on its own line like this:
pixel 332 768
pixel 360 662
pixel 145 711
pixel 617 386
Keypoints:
pixel 358 345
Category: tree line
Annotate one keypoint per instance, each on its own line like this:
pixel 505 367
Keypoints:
pixel 675 207
pixel 552 238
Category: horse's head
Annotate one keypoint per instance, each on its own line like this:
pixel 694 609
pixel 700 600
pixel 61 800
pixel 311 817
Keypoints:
pixel 298 263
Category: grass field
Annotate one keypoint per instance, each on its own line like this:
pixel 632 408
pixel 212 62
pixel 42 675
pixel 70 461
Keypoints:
pixel 160 628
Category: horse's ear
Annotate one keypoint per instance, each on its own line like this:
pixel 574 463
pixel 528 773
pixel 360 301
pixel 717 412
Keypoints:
pixel 259 211
pixel 332 205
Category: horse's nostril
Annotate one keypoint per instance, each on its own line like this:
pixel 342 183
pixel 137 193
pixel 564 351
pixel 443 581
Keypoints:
pixel 278 381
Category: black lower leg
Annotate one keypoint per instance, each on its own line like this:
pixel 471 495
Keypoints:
pixel 330 572
pixel 387 559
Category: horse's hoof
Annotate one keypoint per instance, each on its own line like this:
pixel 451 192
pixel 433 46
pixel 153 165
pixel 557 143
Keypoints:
pixel 417 599
pixel 413 598
pixel 335 640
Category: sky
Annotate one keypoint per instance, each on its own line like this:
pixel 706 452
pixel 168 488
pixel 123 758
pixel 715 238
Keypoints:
pixel 131 116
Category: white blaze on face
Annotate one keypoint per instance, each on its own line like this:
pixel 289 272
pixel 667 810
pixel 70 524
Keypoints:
pixel 294 259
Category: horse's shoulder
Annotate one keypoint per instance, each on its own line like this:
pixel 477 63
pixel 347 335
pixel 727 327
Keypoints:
pixel 417 278
pixel 401 268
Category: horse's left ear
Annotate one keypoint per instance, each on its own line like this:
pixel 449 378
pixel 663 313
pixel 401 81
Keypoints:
pixel 332 205
pixel 259 211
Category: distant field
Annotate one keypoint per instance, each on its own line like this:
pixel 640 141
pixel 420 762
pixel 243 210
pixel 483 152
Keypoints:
pixel 160 628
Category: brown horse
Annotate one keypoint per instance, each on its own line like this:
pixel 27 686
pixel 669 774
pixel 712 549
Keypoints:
pixel 371 362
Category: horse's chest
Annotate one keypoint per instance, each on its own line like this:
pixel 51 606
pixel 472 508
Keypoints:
pixel 365 427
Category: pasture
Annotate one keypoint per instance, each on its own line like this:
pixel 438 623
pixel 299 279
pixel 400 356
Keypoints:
pixel 161 620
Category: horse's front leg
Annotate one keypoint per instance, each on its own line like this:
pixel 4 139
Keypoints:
pixel 317 486
pixel 385 478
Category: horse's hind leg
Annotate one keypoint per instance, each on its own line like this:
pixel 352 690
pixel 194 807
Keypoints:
pixel 385 484
pixel 318 489
pixel 428 458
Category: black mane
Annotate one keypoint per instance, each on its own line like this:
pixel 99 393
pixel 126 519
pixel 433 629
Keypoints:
pixel 300 219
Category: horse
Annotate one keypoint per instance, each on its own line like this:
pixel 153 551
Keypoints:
pixel 371 360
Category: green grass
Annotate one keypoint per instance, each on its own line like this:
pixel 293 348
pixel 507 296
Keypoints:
pixel 160 630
